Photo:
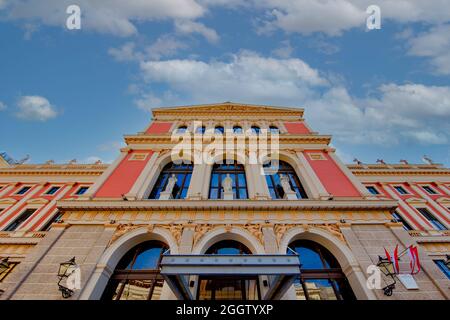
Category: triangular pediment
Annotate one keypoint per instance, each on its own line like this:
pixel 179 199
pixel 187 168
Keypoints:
pixel 228 107
pixel 38 201
pixel 443 200
pixel 415 200
pixel 8 201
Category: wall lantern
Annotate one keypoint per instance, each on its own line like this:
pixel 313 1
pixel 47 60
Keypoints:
pixel 4 265
pixel 387 267
pixel 65 270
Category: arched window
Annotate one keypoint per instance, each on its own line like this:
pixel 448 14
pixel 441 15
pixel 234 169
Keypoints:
pixel 223 287
pixel 237 129
pixel 274 183
pixel 274 130
pixel 228 247
pixel 237 175
pixel 201 130
pixel 181 129
pixel 321 276
pixel 137 275
pixel 219 130
pixel 182 172
pixel 255 129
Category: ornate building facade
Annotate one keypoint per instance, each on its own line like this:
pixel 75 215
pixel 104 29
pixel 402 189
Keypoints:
pixel 150 227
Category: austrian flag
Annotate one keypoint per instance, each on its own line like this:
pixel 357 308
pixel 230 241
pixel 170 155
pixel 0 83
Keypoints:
pixel 394 259
pixel 414 262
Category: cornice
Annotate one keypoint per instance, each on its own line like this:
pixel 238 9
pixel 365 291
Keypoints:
pixel 283 139
pixel 256 205
pixel 42 169
pixel 397 172
pixel 398 169
pixel 226 109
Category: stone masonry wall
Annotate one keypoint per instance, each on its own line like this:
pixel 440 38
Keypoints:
pixel 367 242
pixel 37 277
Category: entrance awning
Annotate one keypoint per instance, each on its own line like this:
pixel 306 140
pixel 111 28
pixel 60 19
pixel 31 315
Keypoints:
pixel 280 269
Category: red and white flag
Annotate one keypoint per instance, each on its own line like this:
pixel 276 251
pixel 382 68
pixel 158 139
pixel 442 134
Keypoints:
pixel 394 259
pixel 414 262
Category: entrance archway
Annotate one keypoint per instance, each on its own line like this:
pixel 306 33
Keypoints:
pixel 137 275
pixel 235 287
pixel 321 276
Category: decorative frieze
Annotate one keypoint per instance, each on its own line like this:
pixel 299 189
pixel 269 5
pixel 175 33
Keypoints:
pixel 281 229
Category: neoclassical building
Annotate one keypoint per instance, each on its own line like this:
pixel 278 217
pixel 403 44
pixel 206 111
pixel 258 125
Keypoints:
pixel 177 217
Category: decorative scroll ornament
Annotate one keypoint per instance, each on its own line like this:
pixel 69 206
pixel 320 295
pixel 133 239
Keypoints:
pixel 281 229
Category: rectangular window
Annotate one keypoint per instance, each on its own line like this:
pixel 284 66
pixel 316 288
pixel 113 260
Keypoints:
pixel 52 190
pixel 11 266
pixel 443 267
pixel 56 218
pixel 81 191
pixel 429 189
pixel 400 190
pixel 372 190
pixel 23 190
pixel 398 218
pixel 21 219
pixel 432 219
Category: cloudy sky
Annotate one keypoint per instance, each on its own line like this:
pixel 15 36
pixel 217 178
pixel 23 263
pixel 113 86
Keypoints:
pixel 382 94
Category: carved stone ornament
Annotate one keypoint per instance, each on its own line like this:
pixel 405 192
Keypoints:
pixel 281 229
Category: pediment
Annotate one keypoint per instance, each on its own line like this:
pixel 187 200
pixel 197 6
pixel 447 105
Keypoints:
pixel 38 201
pixel 443 200
pixel 415 200
pixel 8 201
pixel 228 107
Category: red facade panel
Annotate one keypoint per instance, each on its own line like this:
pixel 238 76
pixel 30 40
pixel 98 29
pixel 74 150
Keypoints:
pixel 333 179
pixel 124 176
pixel 296 128
pixel 159 127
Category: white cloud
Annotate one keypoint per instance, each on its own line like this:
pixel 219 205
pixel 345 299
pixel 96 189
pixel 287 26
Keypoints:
pixel 395 113
pixel 2 106
pixel 333 17
pixel 105 16
pixel 434 44
pixel 412 111
pixel 35 108
pixel 284 51
pixel 188 27
pixel 127 52
pixel 164 46
pixel 247 76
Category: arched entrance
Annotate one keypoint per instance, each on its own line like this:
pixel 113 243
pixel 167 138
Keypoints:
pixel 321 276
pixel 137 275
pixel 222 287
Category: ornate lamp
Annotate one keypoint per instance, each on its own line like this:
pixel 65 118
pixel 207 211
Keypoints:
pixel 63 273
pixel 4 265
pixel 387 267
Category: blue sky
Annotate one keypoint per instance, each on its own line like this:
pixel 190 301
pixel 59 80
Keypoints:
pixel 68 94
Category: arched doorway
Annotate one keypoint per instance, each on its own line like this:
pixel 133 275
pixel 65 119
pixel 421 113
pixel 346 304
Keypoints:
pixel 137 275
pixel 321 276
pixel 228 287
